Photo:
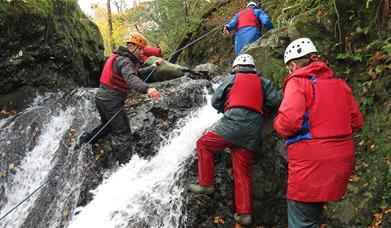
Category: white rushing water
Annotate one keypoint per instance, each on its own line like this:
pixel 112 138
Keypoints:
pixel 35 167
pixel 145 193
pixel 39 161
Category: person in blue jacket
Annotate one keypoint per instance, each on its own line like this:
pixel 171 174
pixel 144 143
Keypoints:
pixel 248 25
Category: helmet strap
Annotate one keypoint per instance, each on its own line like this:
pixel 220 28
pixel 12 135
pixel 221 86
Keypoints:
pixel 134 49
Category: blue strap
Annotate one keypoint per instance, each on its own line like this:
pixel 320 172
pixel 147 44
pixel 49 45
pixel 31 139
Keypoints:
pixel 313 78
pixel 303 133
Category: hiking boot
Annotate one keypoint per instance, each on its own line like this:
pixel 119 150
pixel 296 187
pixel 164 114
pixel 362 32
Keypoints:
pixel 198 189
pixel 244 219
pixel 83 138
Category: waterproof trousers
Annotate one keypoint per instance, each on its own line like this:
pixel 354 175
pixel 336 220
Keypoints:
pixel 207 146
pixel 304 214
pixel 119 128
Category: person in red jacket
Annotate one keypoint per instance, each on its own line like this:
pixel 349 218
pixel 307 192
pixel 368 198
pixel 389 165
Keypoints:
pixel 317 116
pixel 150 51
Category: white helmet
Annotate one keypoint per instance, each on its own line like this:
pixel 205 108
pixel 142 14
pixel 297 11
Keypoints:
pixel 243 59
pixel 299 48
pixel 251 4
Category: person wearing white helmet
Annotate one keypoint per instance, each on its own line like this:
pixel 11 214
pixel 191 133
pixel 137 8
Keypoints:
pixel 317 116
pixel 248 25
pixel 244 97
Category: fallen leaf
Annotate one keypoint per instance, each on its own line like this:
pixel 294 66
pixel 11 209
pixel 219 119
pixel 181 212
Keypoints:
pixel 65 213
pixel 237 225
pixel 321 13
pixel 377 220
pixel 347 71
pixel 364 165
pixel 354 178
pixel 199 203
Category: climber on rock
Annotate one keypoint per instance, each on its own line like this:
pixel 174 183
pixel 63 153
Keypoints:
pixel 244 97
pixel 317 116
pixel 121 74
pixel 248 25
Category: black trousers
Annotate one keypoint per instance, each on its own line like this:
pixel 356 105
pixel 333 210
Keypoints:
pixel 119 128
pixel 304 214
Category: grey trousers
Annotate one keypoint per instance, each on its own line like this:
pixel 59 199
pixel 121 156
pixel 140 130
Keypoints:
pixel 304 214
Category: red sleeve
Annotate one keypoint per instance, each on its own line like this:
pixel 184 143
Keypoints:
pixel 152 51
pixel 356 116
pixel 290 114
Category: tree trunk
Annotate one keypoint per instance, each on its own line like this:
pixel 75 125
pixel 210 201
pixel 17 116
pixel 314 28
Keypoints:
pixel 110 26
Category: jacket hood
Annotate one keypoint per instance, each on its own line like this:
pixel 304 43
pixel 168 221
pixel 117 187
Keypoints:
pixel 124 51
pixel 318 69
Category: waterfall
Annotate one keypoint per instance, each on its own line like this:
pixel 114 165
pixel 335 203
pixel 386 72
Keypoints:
pixel 147 193
pixel 34 141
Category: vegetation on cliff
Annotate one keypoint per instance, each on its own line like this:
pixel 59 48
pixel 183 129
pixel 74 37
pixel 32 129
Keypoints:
pixel 45 45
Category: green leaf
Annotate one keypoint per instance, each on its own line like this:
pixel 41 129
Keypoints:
pixel 378 69
pixel 368 101
pixel 343 56
pixel 357 57
pixel 387 48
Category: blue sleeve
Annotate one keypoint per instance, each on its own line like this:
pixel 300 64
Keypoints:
pixel 264 19
pixel 233 23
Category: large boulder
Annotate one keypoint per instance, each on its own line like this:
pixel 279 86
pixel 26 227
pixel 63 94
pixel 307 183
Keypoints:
pixel 44 49
pixel 170 71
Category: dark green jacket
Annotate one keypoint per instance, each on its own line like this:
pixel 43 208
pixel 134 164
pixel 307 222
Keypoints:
pixel 243 126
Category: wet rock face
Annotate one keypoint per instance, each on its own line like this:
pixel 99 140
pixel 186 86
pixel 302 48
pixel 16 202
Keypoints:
pixel 169 71
pixel 208 69
pixel 43 51
pixel 150 121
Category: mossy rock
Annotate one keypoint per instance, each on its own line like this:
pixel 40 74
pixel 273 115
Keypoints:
pixel 167 71
pixel 60 47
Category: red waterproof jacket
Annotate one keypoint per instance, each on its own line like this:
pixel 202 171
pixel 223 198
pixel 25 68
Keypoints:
pixel 151 51
pixel 317 116
pixel 247 18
